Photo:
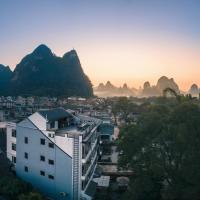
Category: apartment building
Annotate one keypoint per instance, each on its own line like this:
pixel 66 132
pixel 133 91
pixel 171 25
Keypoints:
pixel 8 140
pixel 57 152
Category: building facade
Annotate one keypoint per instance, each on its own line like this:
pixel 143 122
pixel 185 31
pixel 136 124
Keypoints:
pixel 57 152
pixel 8 140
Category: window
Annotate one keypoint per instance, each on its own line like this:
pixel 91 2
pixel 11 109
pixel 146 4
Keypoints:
pixel 51 162
pixel 26 140
pixel 13 159
pixel 26 155
pixel 25 168
pixel 42 173
pixel 51 177
pixel 51 145
pixel 13 147
pixel 42 158
pixel 14 134
pixel 42 141
pixel 52 124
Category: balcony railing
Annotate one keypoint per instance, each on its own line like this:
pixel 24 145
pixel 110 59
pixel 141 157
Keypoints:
pixel 85 159
pixel 90 168
pixel 89 131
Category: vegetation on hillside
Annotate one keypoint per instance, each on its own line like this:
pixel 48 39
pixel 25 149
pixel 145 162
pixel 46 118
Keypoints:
pixel 42 73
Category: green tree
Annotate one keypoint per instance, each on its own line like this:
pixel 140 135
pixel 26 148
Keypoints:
pixel 123 107
pixel 12 187
pixel 30 196
pixel 163 150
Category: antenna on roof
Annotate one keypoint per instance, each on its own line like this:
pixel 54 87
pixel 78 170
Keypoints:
pixel 46 118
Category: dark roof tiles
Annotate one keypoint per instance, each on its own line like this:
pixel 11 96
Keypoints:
pixel 54 114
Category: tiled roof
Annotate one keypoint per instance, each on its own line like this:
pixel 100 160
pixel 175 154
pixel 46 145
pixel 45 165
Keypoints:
pixel 54 114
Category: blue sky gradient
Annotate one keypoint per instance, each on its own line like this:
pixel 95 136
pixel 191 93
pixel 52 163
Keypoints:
pixel 96 28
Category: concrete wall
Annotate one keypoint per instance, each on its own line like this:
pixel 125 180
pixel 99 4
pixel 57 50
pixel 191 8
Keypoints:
pixel 10 153
pixel 65 143
pixel 61 170
pixel 36 118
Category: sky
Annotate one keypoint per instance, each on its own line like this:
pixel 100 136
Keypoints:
pixel 122 41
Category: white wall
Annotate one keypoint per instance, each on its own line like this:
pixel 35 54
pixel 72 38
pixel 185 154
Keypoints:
pixel 3 124
pixel 10 140
pixel 35 127
pixel 65 143
pixel 61 170
pixel 38 120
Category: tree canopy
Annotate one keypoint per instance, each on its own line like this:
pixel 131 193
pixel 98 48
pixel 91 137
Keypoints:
pixel 163 150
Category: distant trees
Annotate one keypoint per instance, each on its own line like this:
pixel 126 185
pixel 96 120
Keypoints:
pixel 163 150
pixel 179 98
pixel 123 106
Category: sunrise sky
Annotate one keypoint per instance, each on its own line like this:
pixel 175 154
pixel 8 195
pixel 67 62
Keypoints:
pixel 118 40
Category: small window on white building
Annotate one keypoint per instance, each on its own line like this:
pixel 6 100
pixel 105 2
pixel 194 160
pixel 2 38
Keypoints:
pixel 51 177
pixel 42 141
pixel 51 145
pixel 42 173
pixel 51 162
pixel 13 159
pixel 42 158
pixel 25 168
pixel 13 146
pixel 52 124
pixel 26 140
pixel 14 134
pixel 26 155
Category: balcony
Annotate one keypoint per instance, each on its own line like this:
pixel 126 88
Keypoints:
pixel 90 168
pixel 84 160
pixel 88 132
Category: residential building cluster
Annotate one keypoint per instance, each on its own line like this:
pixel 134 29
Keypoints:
pixel 56 149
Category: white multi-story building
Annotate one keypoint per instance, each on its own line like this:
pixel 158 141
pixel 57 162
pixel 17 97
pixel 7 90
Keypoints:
pixel 57 152
pixel 11 141
pixel 8 140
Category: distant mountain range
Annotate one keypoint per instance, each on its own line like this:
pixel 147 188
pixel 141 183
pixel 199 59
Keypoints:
pixel 194 90
pixel 5 77
pixel 109 90
pixel 163 82
pixel 42 73
pixel 157 90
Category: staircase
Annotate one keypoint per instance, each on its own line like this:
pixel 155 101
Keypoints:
pixel 76 168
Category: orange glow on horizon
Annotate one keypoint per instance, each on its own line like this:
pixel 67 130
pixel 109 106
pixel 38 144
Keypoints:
pixel 134 62
pixel 139 62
